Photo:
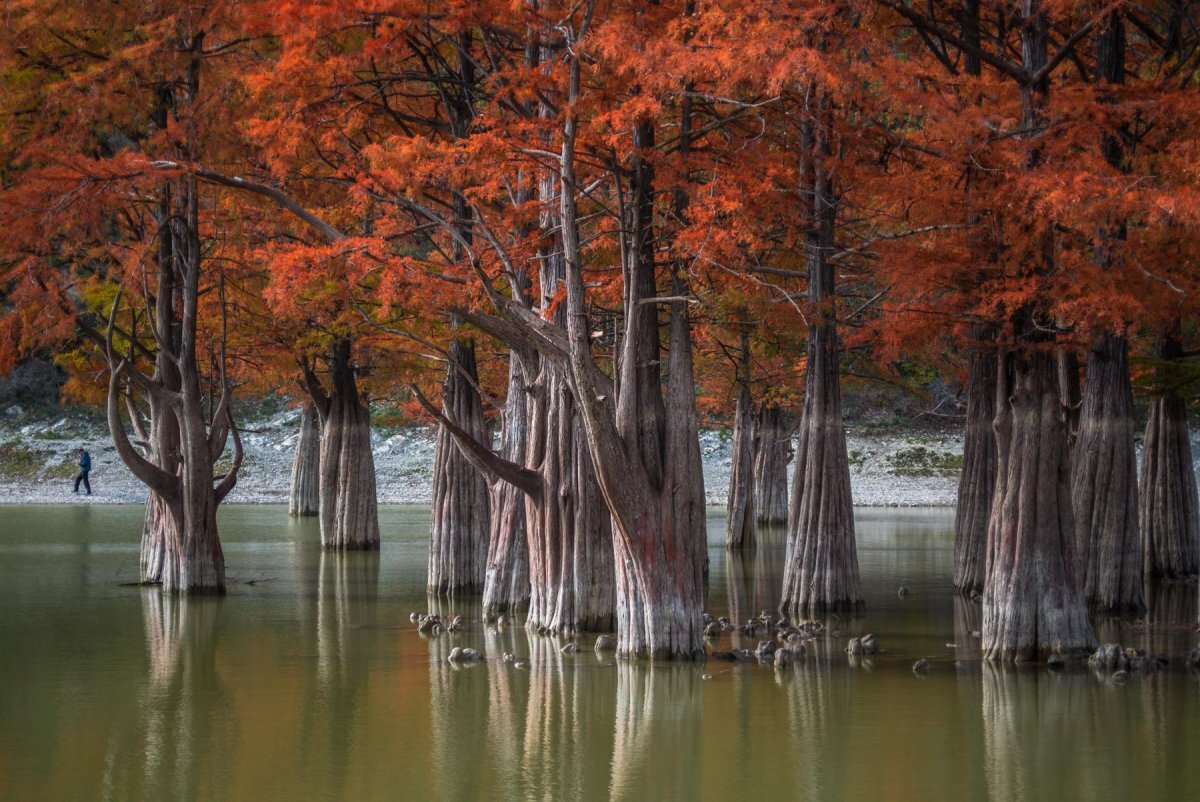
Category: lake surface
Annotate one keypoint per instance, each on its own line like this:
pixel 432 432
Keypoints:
pixel 311 683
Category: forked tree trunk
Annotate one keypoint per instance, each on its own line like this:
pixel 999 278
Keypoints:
pixel 821 571
pixel 1169 511
pixel 304 496
pixel 192 558
pixel 978 480
pixel 568 528
pixel 349 509
pixel 1104 489
pixel 773 430
pixel 506 579
pixel 1032 603
pixel 460 517
pixel 659 567
pixel 740 516
pixel 648 478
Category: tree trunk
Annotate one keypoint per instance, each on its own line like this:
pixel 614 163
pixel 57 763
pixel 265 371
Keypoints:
pixel 459 529
pixel 1032 604
pixel 821 571
pixel 1104 466
pixel 304 496
pixel 1032 600
pixel 772 451
pixel 978 480
pixel 740 516
pixel 158 528
pixel 506 579
pixel 648 478
pixel 192 559
pixel 1104 483
pixel 1067 370
pixel 349 510
pixel 1169 512
pixel 570 530
pixel 158 525
pixel 659 567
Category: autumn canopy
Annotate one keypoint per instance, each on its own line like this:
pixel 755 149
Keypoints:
pixel 567 232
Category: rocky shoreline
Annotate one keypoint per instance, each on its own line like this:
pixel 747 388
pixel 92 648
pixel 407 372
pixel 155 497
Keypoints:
pixel 37 463
pixel 888 467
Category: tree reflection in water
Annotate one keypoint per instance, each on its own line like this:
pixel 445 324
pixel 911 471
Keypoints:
pixel 182 738
pixel 753 581
pixel 657 738
pixel 816 690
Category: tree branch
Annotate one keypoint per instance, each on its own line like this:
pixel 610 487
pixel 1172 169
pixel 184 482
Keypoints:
pixel 486 461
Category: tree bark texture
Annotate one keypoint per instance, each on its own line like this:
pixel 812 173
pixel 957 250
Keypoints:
pixel 349 508
pixel 159 526
pixel 978 480
pixel 459 529
pixel 1169 511
pixel 304 494
pixel 1032 601
pixel 821 569
pixel 648 478
pixel 740 518
pixel 506 578
pixel 1067 367
pixel 570 530
pixel 1104 483
pixel 773 429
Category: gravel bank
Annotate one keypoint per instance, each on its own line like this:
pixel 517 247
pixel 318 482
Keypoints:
pixel 888 467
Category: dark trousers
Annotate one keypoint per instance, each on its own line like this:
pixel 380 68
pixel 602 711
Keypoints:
pixel 83 477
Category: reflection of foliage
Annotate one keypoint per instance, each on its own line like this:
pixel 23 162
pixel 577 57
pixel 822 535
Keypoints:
pixel 921 461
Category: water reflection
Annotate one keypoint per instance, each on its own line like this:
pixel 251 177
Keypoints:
pixel 567 717
pixel 754 582
pixel 180 735
pixel 818 694
pixel 316 685
pixel 968 619
pixel 1171 617
pixel 658 733
pixel 1043 729
pixel 347 597
pixel 458 702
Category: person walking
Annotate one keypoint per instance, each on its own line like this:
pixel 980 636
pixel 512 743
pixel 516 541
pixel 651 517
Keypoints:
pixel 85 467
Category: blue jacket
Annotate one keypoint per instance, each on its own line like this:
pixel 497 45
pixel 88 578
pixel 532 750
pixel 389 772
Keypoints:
pixel 85 462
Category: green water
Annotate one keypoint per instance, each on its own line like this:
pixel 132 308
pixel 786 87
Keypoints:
pixel 312 684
